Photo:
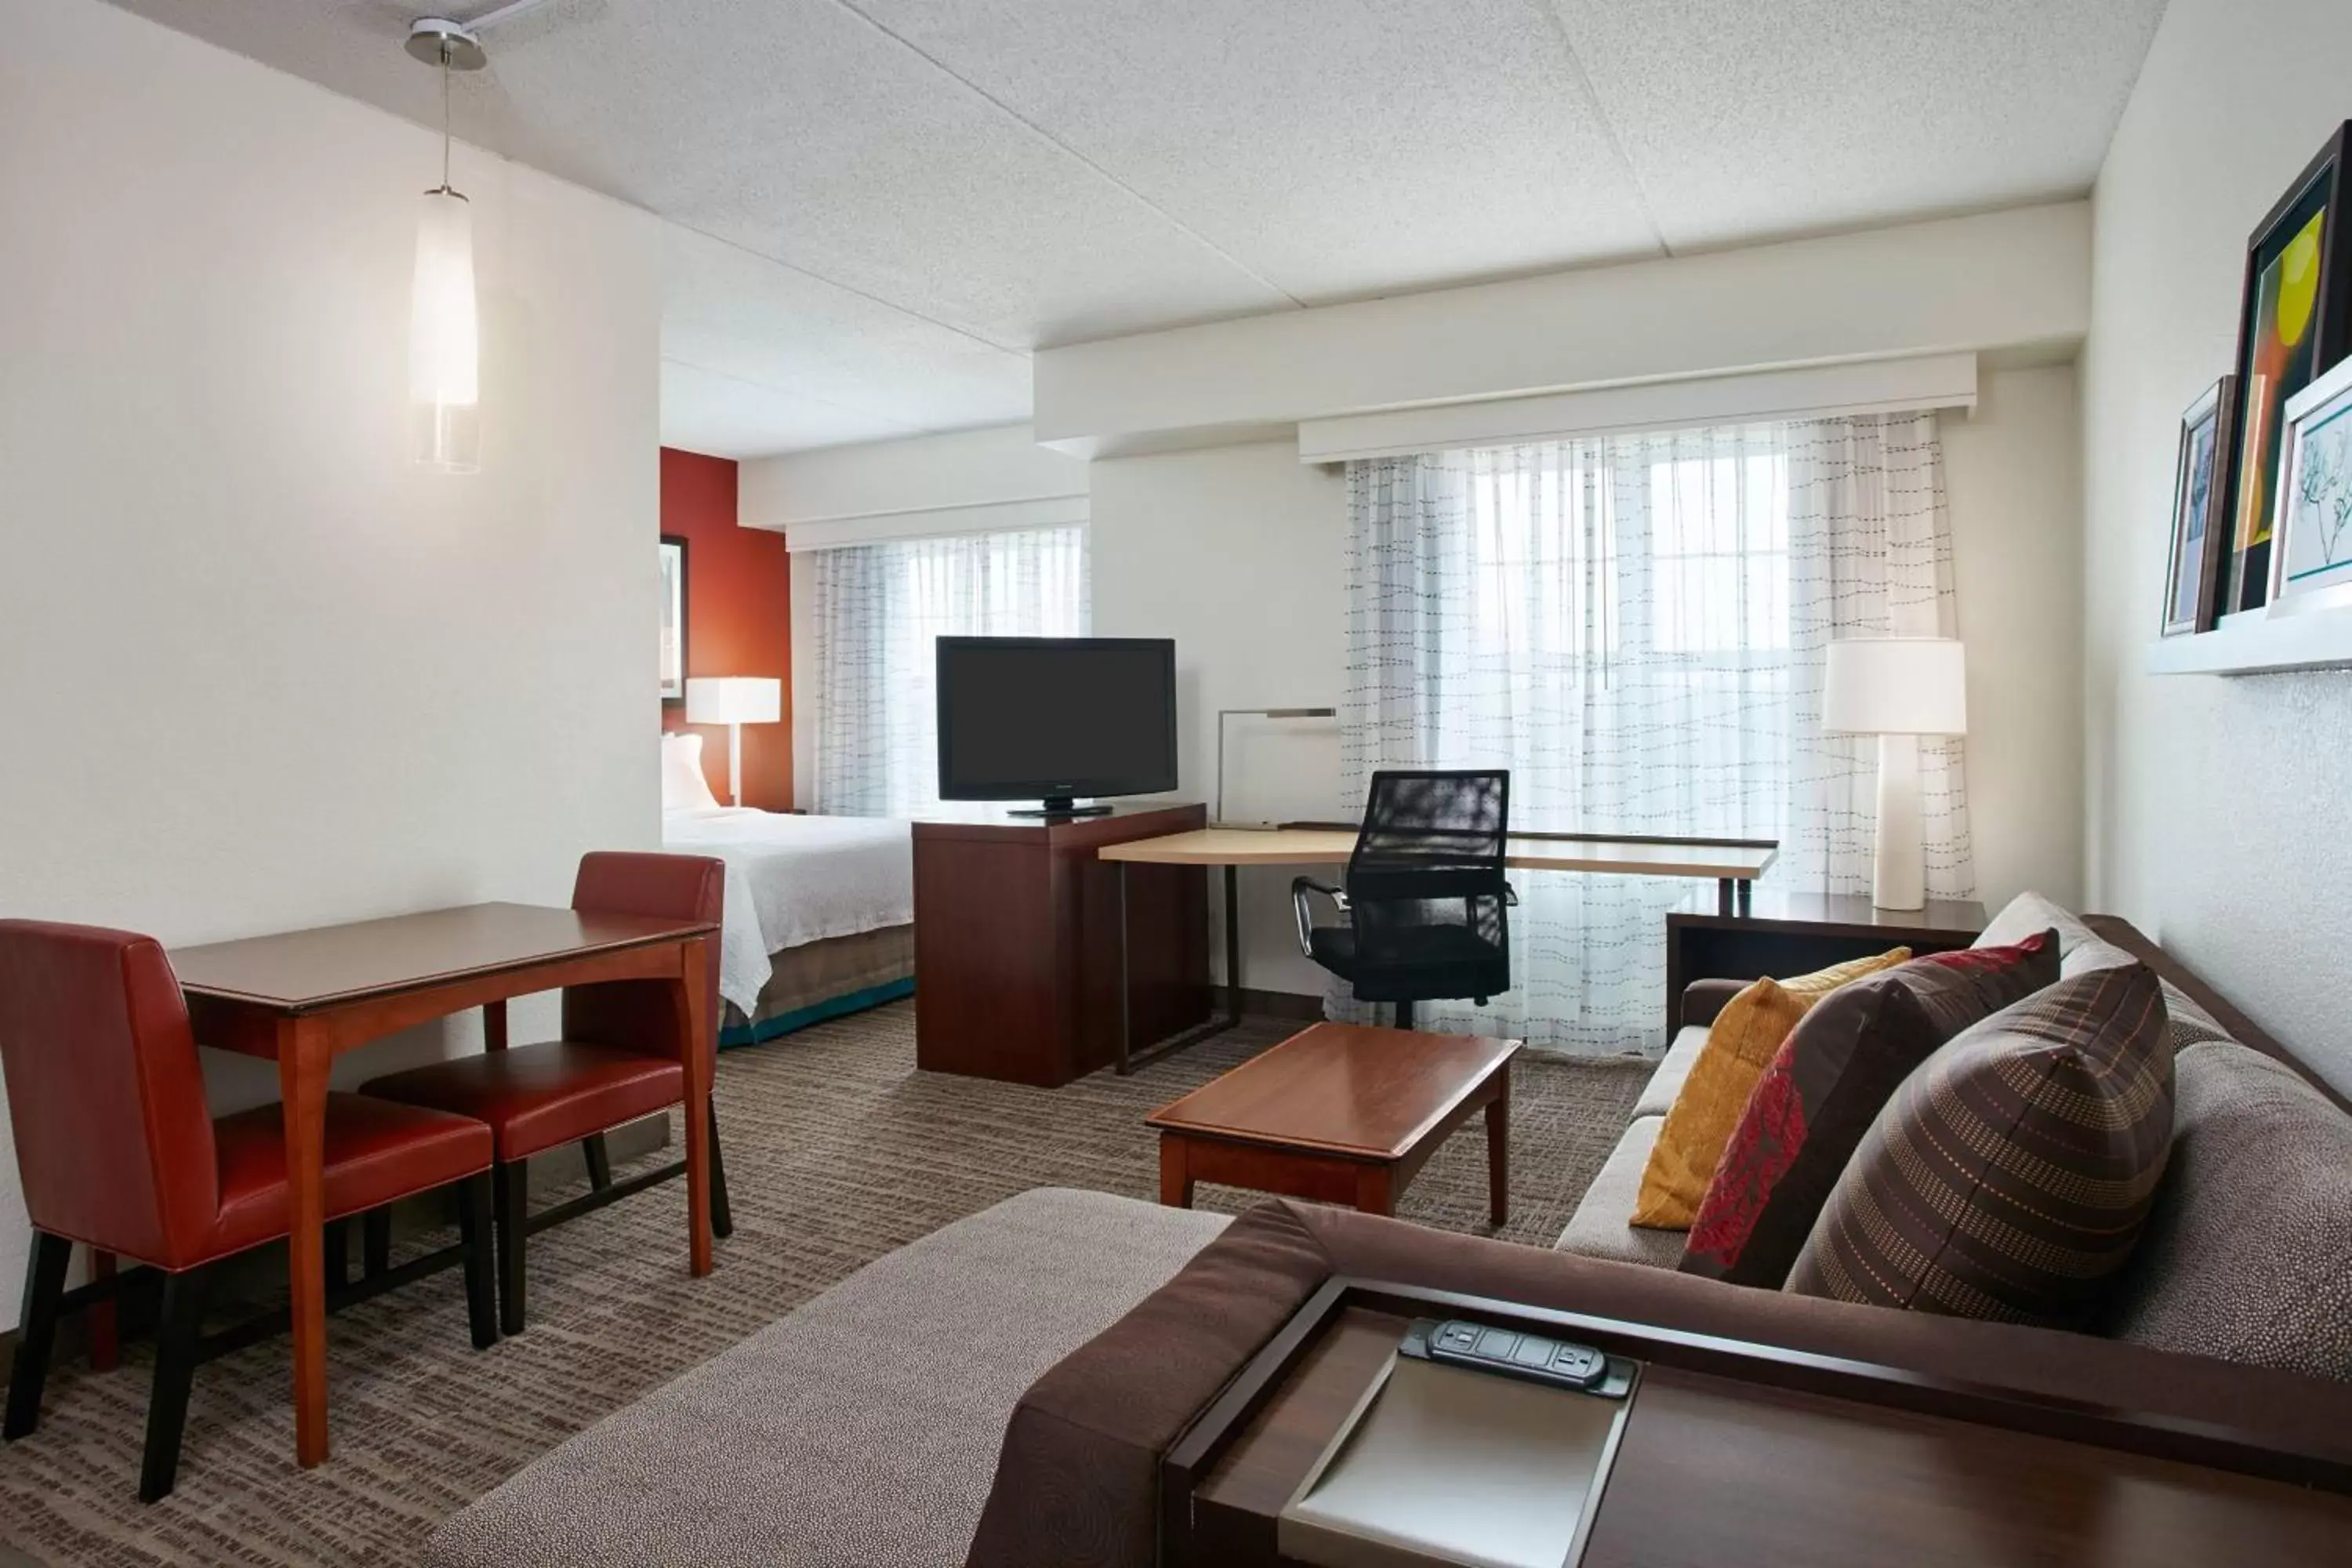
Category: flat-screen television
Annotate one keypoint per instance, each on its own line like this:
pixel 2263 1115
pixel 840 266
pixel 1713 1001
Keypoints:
pixel 1053 719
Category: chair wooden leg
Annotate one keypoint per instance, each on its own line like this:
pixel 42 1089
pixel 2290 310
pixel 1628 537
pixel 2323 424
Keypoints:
pixel 176 1370
pixel 722 1217
pixel 474 1230
pixel 510 1193
pixel 376 1240
pixel 600 1162
pixel 37 1331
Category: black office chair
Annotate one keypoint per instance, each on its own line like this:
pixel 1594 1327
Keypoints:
pixel 1424 895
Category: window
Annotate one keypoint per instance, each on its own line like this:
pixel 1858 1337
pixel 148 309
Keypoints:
pixel 879 608
pixel 1634 627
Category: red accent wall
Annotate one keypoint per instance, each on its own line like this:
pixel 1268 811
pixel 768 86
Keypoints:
pixel 739 618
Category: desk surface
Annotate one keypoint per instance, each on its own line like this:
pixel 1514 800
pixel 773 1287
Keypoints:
pixel 1330 847
pixel 297 971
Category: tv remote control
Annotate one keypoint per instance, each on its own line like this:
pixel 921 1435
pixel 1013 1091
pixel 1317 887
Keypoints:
pixel 1534 1357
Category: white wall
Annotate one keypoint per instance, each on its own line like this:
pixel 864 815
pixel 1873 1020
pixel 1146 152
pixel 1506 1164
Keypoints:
pixel 1001 465
pixel 2012 475
pixel 1236 552
pixel 1997 280
pixel 2213 803
pixel 256 670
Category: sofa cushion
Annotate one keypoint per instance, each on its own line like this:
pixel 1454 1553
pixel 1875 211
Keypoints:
pixel 1599 1228
pixel 2030 913
pixel 2009 1175
pixel 801 1444
pixel 1739 1046
pixel 1827 1084
pixel 2248 1252
pixel 1674 1071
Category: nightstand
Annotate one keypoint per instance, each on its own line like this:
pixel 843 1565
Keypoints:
pixel 1796 933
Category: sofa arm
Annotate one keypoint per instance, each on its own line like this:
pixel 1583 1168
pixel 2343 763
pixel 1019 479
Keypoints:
pixel 1702 999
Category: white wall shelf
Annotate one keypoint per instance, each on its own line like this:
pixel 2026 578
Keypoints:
pixel 2258 643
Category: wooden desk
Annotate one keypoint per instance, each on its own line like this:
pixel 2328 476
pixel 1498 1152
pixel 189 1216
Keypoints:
pixel 1732 864
pixel 307 996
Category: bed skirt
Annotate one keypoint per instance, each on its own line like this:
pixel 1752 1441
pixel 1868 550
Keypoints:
pixel 821 980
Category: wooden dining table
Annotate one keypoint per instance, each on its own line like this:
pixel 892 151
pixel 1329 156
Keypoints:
pixel 304 997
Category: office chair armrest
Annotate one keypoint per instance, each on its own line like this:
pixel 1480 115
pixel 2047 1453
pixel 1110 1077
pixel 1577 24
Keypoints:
pixel 1300 887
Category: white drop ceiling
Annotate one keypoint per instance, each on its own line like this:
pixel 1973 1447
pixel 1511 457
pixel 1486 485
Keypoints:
pixel 880 206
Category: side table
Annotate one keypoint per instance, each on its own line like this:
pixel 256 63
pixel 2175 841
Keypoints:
pixel 1794 934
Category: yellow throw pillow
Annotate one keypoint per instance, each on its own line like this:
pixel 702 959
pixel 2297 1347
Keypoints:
pixel 1740 1044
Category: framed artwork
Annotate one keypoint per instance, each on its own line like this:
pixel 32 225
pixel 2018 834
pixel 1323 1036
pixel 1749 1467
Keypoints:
pixel 673 618
pixel 2193 584
pixel 2312 533
pixel 2294 322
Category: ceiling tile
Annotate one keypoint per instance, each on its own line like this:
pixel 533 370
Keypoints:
pixel 1746 121
pixel 729 311
pixel 795 129
pixel 703 410
pixel 1338 147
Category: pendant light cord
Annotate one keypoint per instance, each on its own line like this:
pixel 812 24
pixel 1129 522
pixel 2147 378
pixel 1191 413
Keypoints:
pixel 445 116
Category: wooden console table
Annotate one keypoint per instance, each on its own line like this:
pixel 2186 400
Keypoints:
pixel 1741 1453
pixel 1795 933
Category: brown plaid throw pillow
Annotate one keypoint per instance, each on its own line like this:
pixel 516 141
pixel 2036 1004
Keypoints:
pixel 2010 1176
pixel 1830 1078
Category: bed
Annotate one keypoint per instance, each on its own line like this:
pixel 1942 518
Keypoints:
pixel 820 912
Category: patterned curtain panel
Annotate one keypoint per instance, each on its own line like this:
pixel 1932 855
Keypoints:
pixel 879 608
pixel 1635 627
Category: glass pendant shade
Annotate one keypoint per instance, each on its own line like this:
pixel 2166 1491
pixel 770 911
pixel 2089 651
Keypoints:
pixel 445 339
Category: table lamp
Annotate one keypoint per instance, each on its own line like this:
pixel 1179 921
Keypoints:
pixel 734 700
pixel 1897 688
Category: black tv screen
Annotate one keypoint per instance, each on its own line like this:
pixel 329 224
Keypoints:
pixel 1055 718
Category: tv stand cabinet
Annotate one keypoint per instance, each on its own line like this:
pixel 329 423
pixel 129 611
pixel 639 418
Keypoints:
pixel 1016 942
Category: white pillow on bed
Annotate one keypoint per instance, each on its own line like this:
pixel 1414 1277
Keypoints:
pixel 684 788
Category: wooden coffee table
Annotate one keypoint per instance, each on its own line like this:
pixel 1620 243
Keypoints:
pixel 1341 1114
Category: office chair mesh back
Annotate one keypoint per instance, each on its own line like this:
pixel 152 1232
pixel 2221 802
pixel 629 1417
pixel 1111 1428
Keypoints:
pixel 1426 887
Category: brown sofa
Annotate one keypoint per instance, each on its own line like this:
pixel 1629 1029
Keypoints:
pixel 2236 1310
pixel 2242 1259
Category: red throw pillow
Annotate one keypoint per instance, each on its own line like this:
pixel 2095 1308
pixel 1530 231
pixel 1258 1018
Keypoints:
pixel 1827 1083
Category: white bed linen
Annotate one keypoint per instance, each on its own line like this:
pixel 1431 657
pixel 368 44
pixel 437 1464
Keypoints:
pixel 796 879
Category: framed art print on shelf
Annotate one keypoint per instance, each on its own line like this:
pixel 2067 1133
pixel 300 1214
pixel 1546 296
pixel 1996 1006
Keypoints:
pixel 2201 491
pixel 673 618
pixel 2312 530
pixel 2294 322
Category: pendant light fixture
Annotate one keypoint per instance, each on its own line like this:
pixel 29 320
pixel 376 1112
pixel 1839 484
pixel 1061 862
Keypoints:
pixel 444 351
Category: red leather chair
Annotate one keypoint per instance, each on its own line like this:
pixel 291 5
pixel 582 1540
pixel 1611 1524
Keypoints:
pixel 616 1062
pixel 119 1152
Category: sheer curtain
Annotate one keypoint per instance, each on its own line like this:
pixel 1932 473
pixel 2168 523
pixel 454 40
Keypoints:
pixel 1634 627
pixel 879 608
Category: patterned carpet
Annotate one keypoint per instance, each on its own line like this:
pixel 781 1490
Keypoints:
pixel 837 1151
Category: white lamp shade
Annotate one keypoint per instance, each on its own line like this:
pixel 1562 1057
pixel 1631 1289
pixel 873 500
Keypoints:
pixel 1897 686
pixel 734 699
pixel 445 337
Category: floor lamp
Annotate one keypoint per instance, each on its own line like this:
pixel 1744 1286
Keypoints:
pixel 1897 688
pixel 734 700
